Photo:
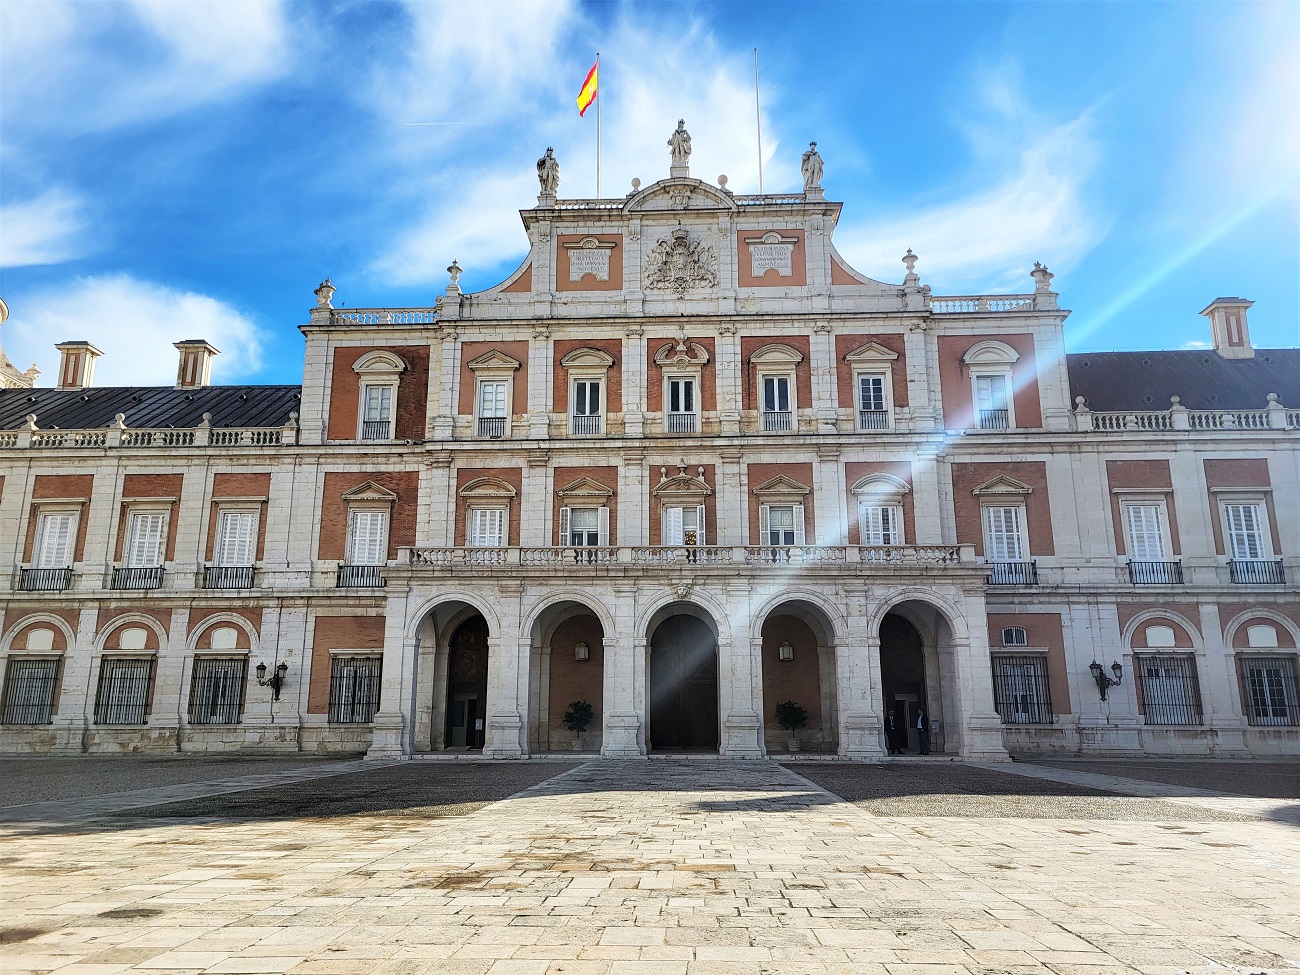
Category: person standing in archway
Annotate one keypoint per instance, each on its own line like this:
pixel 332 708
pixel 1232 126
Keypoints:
pixel 894 733
pixel 923 730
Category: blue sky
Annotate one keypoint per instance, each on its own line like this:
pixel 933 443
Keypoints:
pixel 181 170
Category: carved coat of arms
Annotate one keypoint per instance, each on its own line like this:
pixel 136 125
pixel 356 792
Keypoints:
pixel 680 264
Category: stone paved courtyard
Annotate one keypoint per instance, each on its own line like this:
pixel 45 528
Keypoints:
pixel 679 867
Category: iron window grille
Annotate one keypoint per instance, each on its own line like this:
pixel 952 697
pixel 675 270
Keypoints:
pixel 1256 572
pixel 228 576
pixel 681 422
pixel 778 420
pixel 873 420
pixel 217 690
pixel 374 429
pixel 1271 693
pixel 137 577
pixel 1013 573
pixel 125 686
pixel 44 580
pixel 1168 688
pixel 354 689
pixel 492 427
pixel 1155 573
pixel 360 577
pixel 994 420
pixel 1014 636
pixel 1020 689
pixel 29 690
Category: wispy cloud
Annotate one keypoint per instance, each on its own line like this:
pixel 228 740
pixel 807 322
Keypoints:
pixel 47 230
pixel 134 323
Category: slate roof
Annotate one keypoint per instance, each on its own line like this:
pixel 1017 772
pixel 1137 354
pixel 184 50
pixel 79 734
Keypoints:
pixel 1203 379
pixel 149 406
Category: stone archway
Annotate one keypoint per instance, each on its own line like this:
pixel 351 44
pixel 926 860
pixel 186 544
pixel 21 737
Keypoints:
pixel 798 664
pixel 903 674
pixel 567 665
pixel 682 685
pixel 452 678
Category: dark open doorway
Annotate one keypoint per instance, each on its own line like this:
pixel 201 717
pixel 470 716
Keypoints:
pixel 683 686
pixel 902 673
pixel 467 685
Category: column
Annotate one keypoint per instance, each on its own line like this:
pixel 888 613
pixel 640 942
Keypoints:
pixel 535 503
pixel 857 669
pixel 507 682
pixel 435 518
pixel 740 695
pixel 633 375
pixel 283 639
pixel 828 497
pixel 166 711
pixel 1220 700
pixel 396 715
pixel 922 399
pixel 727 375
pixel 731 486
pixel 633 500
pixel 449 373
pixel 981 731
pixel 825 402
pixel 540 367
pixel 623 685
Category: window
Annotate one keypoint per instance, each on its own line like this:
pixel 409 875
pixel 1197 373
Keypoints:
pixel 683 415
pixel 777 412
pixel 55 536
pixel 367 537
pixel 236 537
pixel 1270 685
pixel 217 690
pixel 492 408
pixel 1004 533
pixel 1014 636
pixel 992 412
pixel 125 684
pixel 145 545
pixel 880 524
pixel 1168 688
pixel 582 527
pixel 990 364
pixel 493 393
pixel 29 690
pixel 377 416
pixel 1243 526
pixel 585 406
pixel 872 385
pixel 1145 538
pixel 781 524
pixel 684 525
pixel 354 689
pixel 873 413
pixel 1020 690
pixel 487 527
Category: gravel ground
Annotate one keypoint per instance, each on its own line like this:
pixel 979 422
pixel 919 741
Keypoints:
pixel 433 790
pixel 1263 780
pixel 950 789
pixel 47 779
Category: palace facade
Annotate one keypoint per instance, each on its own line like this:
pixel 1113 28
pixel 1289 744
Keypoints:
pixel 684 465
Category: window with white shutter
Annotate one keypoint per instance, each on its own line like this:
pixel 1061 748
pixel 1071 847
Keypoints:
pixel 1002 533
pixel 781 524
pixel 880 524
pixel 1243 524
pixel 684 525
pixel 368 537
pixel 145 545
pixel 487 527
pixel 1145 538
pixel 54 550
pixel 237 537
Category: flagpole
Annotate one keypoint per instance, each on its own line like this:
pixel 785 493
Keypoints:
pixel 758 123
pixel 598 125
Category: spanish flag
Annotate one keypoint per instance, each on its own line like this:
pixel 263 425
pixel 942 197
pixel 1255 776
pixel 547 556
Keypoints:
pixel 588 93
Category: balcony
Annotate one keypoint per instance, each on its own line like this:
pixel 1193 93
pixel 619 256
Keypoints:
pixel 994 420
pixel 681 423
pixel 137 577
pixel 376 430
pixel 44 580
pixel 1155 573
pixel 1013 573
pixel 229 576
pixel 359 577
pixel 585 426
pixel 873 420
pixel 1274 417
pixel 1256 572
pixel 168 438
pixel 778 420
pixel 492 427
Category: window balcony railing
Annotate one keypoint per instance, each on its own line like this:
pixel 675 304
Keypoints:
pixel 994 420
pixel 137 577
pixel 493 427
pixel 681 423
pixel 376 430
pixel 1155 573
pixel 1013 573
pixel 1256 572
pixel 360 577
pixel 777 420
pixel 44 580
pixel 229 576
pixel 873 420
pixel 585 425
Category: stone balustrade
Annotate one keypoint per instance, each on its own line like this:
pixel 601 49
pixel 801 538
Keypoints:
pixel 118 435
pixel 970 304
pixel 1178 417
pixel 383 316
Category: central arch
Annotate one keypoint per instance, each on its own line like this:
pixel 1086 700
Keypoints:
pixel 682 681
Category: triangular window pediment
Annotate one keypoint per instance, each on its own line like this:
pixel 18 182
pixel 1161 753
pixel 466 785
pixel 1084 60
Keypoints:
pixel 1003 484
pixel 776 354
pixel 873 353
pixel 370 492
pixel 487 489
pixel 781 488
pixel 585 488
pixel 494 360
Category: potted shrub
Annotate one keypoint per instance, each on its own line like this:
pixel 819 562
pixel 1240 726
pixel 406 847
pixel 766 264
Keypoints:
pixel 576 720
pixel 791 717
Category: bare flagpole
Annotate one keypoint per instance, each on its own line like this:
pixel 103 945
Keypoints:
pixel 758 121
pixel 598 125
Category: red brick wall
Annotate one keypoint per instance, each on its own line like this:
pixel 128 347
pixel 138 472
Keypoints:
pixel 710 503
pixel 564 476
pixel 772 278
pixel 574 680
pixel 338 633
pixel 856 471
pixel 469 351
pixel 253 616
pixel 1041 630
pixel 797 680
pixel 238 485
pixel 958 409
pixel 759 473
pixel 107 614
pixel 613 379
pixel 163 486
pixel 655 375
pixel 513 476
pixel 750 397
pixel 588 282
pixel 1140 474
pixel 50 486
pixel 844 344
pixel 1038 510
pixel 334 510
pixel 412 391
pixel 1247 472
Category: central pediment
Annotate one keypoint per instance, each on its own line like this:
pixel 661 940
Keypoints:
pixel 678 194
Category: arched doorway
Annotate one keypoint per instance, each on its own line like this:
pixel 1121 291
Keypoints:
pixel 903 673
pixel 798 659
pixel 567 666
pixel 466 701
pixel 682 686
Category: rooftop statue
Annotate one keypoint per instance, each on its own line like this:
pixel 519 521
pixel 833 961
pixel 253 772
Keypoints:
pixel 548 173
pixel 680 143
pixel 812 168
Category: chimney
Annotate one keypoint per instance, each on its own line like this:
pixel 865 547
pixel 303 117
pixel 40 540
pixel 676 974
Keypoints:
pixel 76 364
pixel 1228 327
pixel 195 367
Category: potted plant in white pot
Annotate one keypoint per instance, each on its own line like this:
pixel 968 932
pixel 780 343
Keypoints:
pixel 576 720
pixel 791 717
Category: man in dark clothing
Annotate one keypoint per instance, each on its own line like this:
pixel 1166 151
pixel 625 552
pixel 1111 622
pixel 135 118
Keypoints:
pixel 894 732
pixel 923 731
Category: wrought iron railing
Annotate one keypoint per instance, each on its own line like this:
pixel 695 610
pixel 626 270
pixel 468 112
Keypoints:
pixel 873 420
pixel 1155 573
pixel 586 425
pixel 137 577
pixel 1168 689
pixel 217 690
pixel 1256 572
pixel 44 580
pixel 359 577
pixel 994 419
pixel 776 420
pixel 376 430
pixel 229 576
pixel 493 427
pixel 1021 692
pixel 681 422
pixel 29 690
pixel 125 688
pixel 1013 573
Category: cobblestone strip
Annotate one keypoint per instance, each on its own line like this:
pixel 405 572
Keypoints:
pixel 74 810
pixel 1281 810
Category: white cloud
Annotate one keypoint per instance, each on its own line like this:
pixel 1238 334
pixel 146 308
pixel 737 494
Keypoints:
pixel 50 229
pixel 134 323
pixel 1196 344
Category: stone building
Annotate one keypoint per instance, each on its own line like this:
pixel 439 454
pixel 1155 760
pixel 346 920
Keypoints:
pixel 684 464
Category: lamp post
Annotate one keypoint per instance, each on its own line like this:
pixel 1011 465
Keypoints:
pixel 1104 680
pixel 275 681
